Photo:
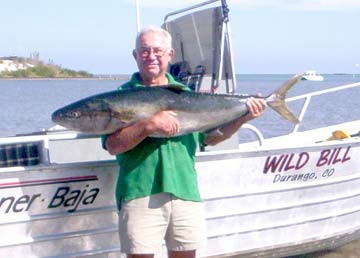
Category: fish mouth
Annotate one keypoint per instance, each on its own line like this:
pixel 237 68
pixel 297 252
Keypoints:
pixel 60 117
pixel 56 116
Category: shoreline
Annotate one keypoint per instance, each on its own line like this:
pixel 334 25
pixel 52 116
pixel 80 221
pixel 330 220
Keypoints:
pixel 110 77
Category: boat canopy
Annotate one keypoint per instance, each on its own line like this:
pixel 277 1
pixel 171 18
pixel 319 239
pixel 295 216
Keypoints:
pixel 201 41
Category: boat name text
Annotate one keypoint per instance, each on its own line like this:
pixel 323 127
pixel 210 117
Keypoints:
pixel 64 197
pixel 297 161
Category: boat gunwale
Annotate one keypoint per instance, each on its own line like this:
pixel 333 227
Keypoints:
pixel 200 156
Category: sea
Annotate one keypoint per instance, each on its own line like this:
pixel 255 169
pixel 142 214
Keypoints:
pixel 26 106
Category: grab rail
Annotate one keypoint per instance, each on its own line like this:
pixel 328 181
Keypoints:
pixel 256 131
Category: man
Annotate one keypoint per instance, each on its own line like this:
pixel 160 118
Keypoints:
pixel 157 191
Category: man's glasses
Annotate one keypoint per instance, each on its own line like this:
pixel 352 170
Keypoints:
pixel 146 51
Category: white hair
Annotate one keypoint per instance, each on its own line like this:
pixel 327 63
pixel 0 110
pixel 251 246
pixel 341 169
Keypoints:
pixel 154 29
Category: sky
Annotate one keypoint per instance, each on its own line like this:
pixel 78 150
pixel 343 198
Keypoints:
pixel 268 36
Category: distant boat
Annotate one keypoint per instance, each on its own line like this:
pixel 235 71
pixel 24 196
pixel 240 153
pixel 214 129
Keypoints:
pixel 312 76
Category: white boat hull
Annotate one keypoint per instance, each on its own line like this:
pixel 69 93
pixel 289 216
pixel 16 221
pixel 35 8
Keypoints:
pixel 285 212
pixel 310 201
pixel 312 76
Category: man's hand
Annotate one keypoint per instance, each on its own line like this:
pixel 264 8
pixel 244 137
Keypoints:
pixel 256 108
pixel 163 122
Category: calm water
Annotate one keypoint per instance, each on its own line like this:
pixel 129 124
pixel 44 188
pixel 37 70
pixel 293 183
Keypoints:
pixel 26 105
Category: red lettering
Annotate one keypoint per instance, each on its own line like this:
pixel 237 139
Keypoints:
pixel 288 164
pixel 283 163
pixel 346 158
pixel 331 157
pixel 273 164
pixel 306 159
pixel 336 159
pixel 323 158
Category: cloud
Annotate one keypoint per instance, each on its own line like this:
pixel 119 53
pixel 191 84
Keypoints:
pixel 295 5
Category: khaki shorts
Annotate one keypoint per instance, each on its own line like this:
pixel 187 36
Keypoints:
pixel 145 222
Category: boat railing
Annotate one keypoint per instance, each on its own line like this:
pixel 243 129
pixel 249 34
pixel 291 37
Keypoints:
pixel 256 131
pixel 308 97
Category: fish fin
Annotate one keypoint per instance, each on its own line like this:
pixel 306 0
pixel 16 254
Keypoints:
pixel 277 99
pixel 174 88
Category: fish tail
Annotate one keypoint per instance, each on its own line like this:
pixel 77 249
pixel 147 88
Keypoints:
pixel 277 99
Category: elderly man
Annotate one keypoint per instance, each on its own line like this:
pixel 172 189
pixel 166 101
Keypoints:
pixel 157 191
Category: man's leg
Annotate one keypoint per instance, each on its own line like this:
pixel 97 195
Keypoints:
pixel 182 254
pixel 187 230
pixel 140 256
pixel 142 225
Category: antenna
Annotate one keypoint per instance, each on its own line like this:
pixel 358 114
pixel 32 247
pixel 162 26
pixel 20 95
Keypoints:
pixel 137 15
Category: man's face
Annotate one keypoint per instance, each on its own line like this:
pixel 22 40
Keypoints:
pixel 152 55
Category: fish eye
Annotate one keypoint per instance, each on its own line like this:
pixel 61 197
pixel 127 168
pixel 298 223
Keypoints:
pixel 75 114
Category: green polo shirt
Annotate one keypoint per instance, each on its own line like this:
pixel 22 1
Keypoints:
pixel 158 164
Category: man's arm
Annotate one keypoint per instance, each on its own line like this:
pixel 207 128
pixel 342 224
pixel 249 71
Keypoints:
pixel 256 108
pixel 164 122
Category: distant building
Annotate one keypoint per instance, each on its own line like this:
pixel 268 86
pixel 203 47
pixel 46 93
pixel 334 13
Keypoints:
pixel 11 64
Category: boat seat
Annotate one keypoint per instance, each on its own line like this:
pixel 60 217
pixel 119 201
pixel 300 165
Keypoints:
pixel 180 71
pixel 196 78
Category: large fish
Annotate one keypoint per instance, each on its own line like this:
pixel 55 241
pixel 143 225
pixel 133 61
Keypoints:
pixel 203 112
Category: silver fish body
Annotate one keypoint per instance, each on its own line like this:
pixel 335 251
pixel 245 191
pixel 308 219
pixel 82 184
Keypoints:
pixel 107 112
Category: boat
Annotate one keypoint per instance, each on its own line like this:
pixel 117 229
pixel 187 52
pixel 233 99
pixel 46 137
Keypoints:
pixel 312 76
pixel 272 197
